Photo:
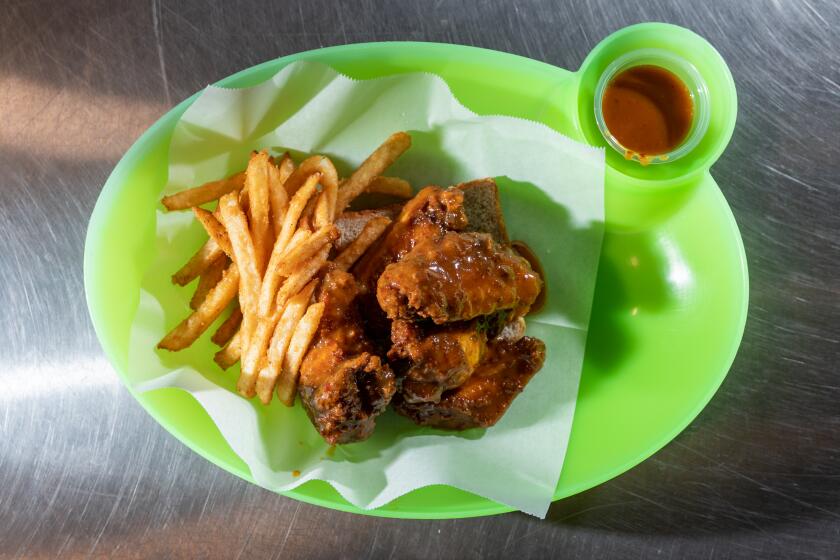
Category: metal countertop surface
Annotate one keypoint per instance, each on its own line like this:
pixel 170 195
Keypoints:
pixel 85 472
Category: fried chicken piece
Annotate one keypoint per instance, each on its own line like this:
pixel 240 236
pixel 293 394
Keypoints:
pixel 430 214
pixel 427 216
pixel 483 398
pixel 457 277
pixel 343 385
pixel 432 359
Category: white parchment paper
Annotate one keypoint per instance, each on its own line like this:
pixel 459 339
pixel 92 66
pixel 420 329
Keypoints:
pixel 552 194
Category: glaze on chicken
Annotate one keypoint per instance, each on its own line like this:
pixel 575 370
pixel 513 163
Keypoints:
pixel 431 359
pixel 457 277
pixel 484 397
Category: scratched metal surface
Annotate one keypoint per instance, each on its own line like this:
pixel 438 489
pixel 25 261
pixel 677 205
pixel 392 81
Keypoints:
pixel 85 472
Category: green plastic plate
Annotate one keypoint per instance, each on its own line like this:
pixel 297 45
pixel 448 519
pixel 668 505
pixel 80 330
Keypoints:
pixel 671 295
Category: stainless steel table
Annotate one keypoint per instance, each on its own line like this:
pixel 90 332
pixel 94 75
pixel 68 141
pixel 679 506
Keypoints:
pixel 85 472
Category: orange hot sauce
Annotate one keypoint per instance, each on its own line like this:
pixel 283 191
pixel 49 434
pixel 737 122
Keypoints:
pixel 528 254
pixel 649 111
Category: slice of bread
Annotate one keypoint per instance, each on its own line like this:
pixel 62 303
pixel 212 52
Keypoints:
pixel 484 211
pixel 351 222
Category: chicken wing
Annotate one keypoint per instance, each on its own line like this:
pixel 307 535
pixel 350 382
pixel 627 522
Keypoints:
pixel 485 396
pixel 343 385
pixel 432 359
pixel 457 277
pixel 427 216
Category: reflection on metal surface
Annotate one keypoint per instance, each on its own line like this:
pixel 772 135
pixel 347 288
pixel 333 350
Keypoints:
pixel 46 380
pixel 32 111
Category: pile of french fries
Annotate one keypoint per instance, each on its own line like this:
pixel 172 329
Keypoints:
pixel 270 235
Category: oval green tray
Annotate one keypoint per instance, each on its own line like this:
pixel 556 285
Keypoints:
pixel 670 300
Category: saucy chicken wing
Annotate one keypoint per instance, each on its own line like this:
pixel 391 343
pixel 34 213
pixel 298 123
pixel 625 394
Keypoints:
pixel 427 216
pixel 431 359
pixel 485 396
pixel 457 277
pixel 343 385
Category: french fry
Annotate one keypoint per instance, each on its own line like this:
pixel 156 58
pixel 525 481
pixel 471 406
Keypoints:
pixel 257 186
pixel 254 350
pixel 309 166
pixel 296 207
pixel 291 316
pixel 198 263
pixel 257 344
pixel 323 213
pixel 293 257
pixel 227 329
pixel 374 165
pixel 332 200
pixel 244 202
pixel 300 277
pixel 217 299
pixel 208 279
pixel 278 198
pixel 244 253
pixel 298 346
pixel 228 355
pixel 369 234
pixel 301 235
pixel 304 223
pixel 208 252
pixel 392 186
pixel 214 229
pixel 329 175
pixel 204 193
pixel 309 210
pixel 285 164
pixel 272 278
